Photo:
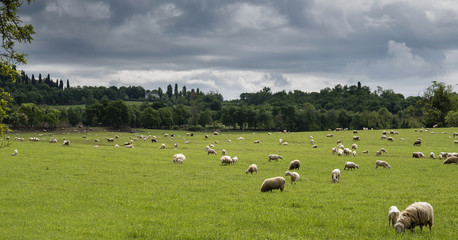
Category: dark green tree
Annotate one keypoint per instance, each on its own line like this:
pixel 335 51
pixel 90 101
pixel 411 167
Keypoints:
pixel 169 91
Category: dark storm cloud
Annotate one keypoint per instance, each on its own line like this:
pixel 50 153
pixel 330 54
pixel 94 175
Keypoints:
pixel 237 46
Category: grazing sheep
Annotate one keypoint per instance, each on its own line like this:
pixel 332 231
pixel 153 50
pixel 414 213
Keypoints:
pixel 383 164
pixel 294 176
pixel 335 175
pixel 355 138
pixel 273 183
pixel 378 153
pixel 211 145
pixel 451 160
pixel 315 146
pixel 383 150
pixel 330 135
pixel 355 131
pixel 354 153
pixel 340 152
pixel 418 214
pixel 224 152
pixel 116 145
pixel 226 160
pixel 162 146
pixel 216 133
pixel 235 160
pixel 351 166
pixel 393 215
pixel 285 143
pixel 178 158
pixel 347 151
pixel 280 141
pixel 175 145
pixel 417 142
pixel 390 139
pixel 96 140
pixel 14 153
pixel 354 146
pixel 96 146
pixel 274 157
pixel 211 151
pixel 257 141
pixel 53 140
pixel 295 164
pixel 334 150
pixel 418 155
pixel 109 139
pixel 339 141
pixel 384 132
pixel 312 141
pixel 129 146
pixel 251 169
pixel 66 143
pixel 383 137
pixel 366 151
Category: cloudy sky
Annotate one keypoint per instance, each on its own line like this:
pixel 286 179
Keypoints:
pixel 232 47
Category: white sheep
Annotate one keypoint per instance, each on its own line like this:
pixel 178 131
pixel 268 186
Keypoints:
pixel 235 160
pixel 251 169
pixel 257 141
pixel 354 146
pixel 178 158
pixel 335 175
pixel 14 153
pixel 224 152
pixel 162 146
pixel 418 214
pixel 66 143
pixel 295 164
pixel 432 155
pixel 274 157
pixel 354 153
pixel 351 166
pixel 285 143
pixel 211 151
pixel 393 215
pixel 334 150
pixel 340 152
pixel 294 176
pixel 273 183
pixel 226 160
pixel 280 141
pixel 383 164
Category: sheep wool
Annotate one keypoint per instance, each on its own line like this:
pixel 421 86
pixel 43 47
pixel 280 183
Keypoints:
pixel 226 160
pixel 294 176
pixel 351 166
pixel 295 164
pixel 274 157
pixel 273 183
pixel 383 164
pixel 451 160
pixel 251 169
pixel 14 153
pixel 418 214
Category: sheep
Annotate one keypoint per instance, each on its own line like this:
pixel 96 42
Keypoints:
pixel 109 139
pixel 215 133
pixel 285 143
pixel 162 146
pixel 347 151
pixel 257 141
pixel 366 151
pixel 390 139
pixel 330 135
pixel 340 152
pixel 129 146
pixel 418 214
pixel 175 145
pixel 383 164
pixel 52 140
pixel 153 140
pixel 383 137
pixel 351 166
pixel 273 183
pixel 66 143
pixel 252 168
pixel 339 141
pixel 280 141
pixel 334 150
pixel 96 146
pixel 335 175
pixel 354 146
pixel 383 150
pixel 226 160
pixel 393 215
pixel 315 146
pixel 295 164
pixel 378 153
pixel 178 158
pixel 312 141
pixel 96 140
pixel 384 132
pixel 354 153
pixel 274 157
pixel 14 153
pixel 211 151
pixel 216 142
pixel 451 160
pixel 224 152
pixel 356 138
pixel 235 160
pixel 294 176
pixel 418 155
pixel 116 145
pixel 417 142
pixel 355 131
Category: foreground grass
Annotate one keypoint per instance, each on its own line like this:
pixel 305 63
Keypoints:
pixel 80 192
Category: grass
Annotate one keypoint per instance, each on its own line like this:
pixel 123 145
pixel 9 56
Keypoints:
pixel 50 191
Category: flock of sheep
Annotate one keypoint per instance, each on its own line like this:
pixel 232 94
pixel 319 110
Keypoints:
pixel 418 214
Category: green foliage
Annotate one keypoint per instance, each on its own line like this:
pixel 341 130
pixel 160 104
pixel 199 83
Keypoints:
pixel 451 119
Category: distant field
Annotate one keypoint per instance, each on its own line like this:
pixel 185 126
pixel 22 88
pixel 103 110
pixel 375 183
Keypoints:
pixel 50 191
pixel 84 106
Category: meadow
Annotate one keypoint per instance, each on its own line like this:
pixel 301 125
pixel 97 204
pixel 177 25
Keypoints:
pixel 50 191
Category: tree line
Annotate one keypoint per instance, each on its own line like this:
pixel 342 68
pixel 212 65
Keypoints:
pixel 352 107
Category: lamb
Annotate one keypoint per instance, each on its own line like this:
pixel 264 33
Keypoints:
pixel 178 158
pixel 351 166
pixel 274 157
pixel 235 160
pixel 226 160
pixel 390 139
pixel 273 183
pixel 280 141
pixel 294 176
pixel 354 146
pixel 175 145
pixel 451 160
pixel 295 164
pixel 383 164
pixel 393 215
pixel 418 155
pixel 14 153
pixel 354 153
pixel 334 150
pixel 251 169
pixel 418 214
pixel 211 151
pixel 417 142
pixel 356 138
pixel 257 141
pixel 162 146
pixel 335 174
pixel 66 143
pixel 224 152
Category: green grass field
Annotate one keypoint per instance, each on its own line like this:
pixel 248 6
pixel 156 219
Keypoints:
pixel 49 191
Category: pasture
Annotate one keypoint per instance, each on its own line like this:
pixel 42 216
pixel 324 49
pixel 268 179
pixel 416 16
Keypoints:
pixel 50 191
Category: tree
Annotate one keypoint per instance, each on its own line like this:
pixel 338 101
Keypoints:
pixel 68 84
pixel 51 117
pixel 175 91
pixel 451 119
pixel 169 91
pixel 40 80
pixel 33 113
pixel 438 101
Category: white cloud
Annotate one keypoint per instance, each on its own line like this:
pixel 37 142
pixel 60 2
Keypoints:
pixel 79 9
pixel 250 16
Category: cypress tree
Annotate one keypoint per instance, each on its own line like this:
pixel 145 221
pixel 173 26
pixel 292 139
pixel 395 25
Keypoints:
pixel 33 80
pixel 40 80
pixel 68 84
